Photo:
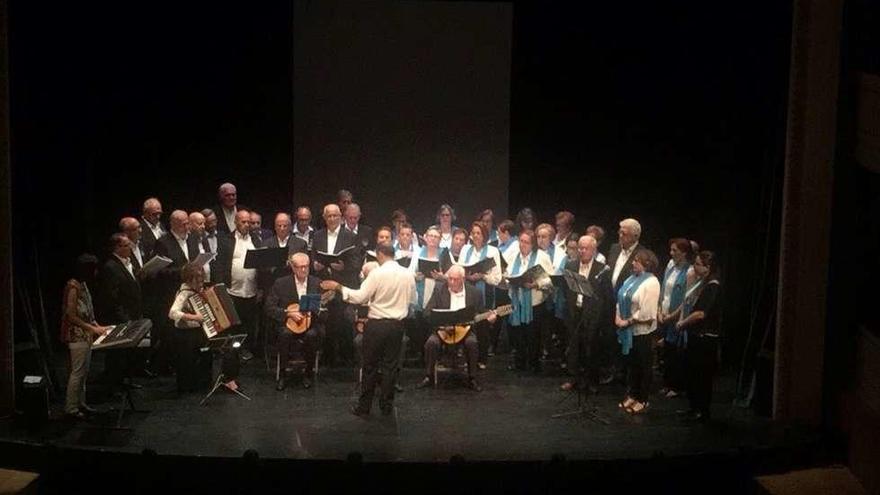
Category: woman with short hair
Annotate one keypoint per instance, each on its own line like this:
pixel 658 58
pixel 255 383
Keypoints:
pixel 193 366
pixel 636 321
pixel 678 276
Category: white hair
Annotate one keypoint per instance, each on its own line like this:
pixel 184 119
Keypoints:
pixel 590 240
pixel 455 269
pixel 225 186
pixel 151 202
pixel 298 256
pixel 633 226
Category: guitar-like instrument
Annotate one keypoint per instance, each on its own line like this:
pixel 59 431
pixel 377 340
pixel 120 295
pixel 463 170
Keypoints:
pixel 306 321
pixel 456 333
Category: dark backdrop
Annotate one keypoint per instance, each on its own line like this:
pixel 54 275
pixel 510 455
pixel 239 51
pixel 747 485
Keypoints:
pixel 671 114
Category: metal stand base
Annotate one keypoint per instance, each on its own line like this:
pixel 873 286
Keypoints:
pixel 220 383
pixel 582 411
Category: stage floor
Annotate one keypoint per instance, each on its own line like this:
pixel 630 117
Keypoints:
pixel 509 420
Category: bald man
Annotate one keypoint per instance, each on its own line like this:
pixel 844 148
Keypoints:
pixel 151 225
pixel 197 230
pixel 282 237
pixel 241 282
pixel 333 239
pixel 227 199
pixel 586 316
pixel 132 229
pixel 366 238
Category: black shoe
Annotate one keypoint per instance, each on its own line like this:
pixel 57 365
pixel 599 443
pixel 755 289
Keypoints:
pixel 425 383
pixel 307 382
pixel 281 384
pixel 87 409
pixel 398 388
pixel 76 416
pixel 357 411
pixel 473 385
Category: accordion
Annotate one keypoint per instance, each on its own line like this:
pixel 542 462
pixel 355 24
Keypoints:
pixel 217 310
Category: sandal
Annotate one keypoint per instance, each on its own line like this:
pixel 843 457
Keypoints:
pixel 627 403
pixel 637 407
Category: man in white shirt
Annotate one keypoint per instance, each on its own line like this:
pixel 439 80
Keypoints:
pixel 388 290
pixel 151 224
pixel 303 228
pixel 241 282
pixel 454 295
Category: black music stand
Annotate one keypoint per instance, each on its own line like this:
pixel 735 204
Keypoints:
pixel 228 348
pixel 125 337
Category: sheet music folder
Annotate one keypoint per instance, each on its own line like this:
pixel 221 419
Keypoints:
pixel 326 259
pixel 482 266
pixel 427 266
pixel 265 258
pixel 577 283
pixel 310 302
pixel 448 317
pixel 527 276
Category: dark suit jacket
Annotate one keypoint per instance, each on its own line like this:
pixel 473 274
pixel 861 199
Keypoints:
pixel 626 271
pixel 294 245
pixel 440 298
pixel 594 313
pixel 148 240
pixel 222 228
pixel 119 294
pixel 352 259
pixel 366 236
pixel 283 293
pixel 221 270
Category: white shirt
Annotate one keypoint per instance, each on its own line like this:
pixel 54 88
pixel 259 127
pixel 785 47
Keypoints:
pixel 136 251
pixel 303 235
pixel 229 216
pixel 621 262
pixel 332 236
pixel 301 288
pixel 493 276
pixel 388 290
pixel 353 230
pixel 181 241
pixel 644 306
pixel 457 300
pixel 599 257
pixel 282 242
pixel 207 266
pixel 181 301
pixel 126 263
pixel 585 271
pixel 445 239
pixel 429 282
pixel 244 280
pixel 560 241
pixel 212 241
pixel 155 229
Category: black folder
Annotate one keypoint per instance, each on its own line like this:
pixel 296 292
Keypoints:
pixel 404 262
pixel 527 276
pixel 578 283
pixel 446 317
pixel 427 266
pixel 482 266
pixel 265 258
pixel 327 258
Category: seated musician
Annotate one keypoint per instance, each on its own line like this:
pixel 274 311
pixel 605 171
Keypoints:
pixel 286 291
pixel 454 294
pixel 193 366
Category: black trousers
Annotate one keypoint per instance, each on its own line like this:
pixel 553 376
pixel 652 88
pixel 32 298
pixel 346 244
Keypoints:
pixel 582 353
pixel 310 341
pixel 640 367
pixel 432 350
pixel 482 331
pixel 526 339
pixel 382 341
pixel 247 310
pixel 702 364
pixel 192 365
pixel 338 347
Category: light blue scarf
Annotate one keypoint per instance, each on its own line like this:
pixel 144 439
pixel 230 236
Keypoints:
pixel 624 305
pixel 520 297
pixel 420 284
pixel 677 295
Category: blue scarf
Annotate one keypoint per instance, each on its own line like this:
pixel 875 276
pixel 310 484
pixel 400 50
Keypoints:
pixel 624 305
pixel 520 297
pixel 493 236
pixel 502 246
pixel 677 295
pixel 420 284
pixel 481 284
pixel 687 307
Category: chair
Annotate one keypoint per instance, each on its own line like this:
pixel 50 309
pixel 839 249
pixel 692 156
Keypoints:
pixel 297 360
pixel 449 352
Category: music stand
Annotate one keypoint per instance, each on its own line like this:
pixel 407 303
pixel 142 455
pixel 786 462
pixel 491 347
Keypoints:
pixel 125 336
pixel 228 348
